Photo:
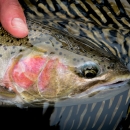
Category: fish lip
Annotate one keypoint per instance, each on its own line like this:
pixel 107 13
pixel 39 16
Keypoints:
pixel 115 85
pixel 118 83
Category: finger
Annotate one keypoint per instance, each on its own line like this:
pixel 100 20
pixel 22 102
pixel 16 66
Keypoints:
pixel 12 18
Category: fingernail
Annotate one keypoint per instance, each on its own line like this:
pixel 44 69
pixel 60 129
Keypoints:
pixel 19 23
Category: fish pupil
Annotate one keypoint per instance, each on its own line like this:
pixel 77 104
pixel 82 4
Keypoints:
pixel 89 73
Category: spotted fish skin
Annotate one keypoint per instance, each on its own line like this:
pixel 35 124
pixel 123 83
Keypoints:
pixel 104 22
pixel 114 16
pixel 58 50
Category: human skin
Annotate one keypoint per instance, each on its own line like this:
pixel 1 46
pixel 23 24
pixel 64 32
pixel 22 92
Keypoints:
pixel 12 18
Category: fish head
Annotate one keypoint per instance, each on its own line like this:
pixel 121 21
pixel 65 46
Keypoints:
pixel 58 66
pixel 40 74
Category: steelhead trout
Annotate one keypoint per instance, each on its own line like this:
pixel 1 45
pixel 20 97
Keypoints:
pixel 105 23
pixel 51 66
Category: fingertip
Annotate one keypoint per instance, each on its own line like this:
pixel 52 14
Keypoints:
pixel 13 19
pixel 19 28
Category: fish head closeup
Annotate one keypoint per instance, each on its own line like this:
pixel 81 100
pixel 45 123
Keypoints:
pixel 58 67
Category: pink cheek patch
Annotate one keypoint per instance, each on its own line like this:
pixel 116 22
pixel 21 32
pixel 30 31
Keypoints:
pixel 26 71
pixel 37 70
pixel 50 72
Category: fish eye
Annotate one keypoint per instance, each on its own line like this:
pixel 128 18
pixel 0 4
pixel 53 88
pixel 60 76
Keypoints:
pixel 88 70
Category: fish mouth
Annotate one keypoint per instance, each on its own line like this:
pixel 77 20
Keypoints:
pixel 101 88
pixel 118 83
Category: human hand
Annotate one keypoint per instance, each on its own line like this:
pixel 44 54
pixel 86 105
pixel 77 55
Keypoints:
pixel 12 18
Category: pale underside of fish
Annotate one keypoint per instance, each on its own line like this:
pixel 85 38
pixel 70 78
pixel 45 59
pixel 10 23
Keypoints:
pixel 51 66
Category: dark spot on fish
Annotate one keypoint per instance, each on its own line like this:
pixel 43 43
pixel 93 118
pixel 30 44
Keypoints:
pixel 31 46
pixel 13 47
pixel 46 34
pixel 2 34
pixel 45 52
pixel 91 50
pixel 71 48
pixel 82 26
pixel 12 52
pixel 0 55
pixel 5 48
pixel 11 41
pixel 74 59
pixel 0 44
pixel 52 52
pixel 41 34
pixel 50 38
pixel 108 67
pixel 57 42
pixel 112 65
pixel 47 42
pixel 45 22
pixel 56 49
pixel 17 39
pixel 82 58
pixel 7 41
pixel 20 44
pixel 20 50
pixel 60 53
pixel 32 39
pixel 93 55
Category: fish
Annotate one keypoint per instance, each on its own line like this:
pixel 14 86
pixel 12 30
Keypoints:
pixel 51 66
pixel 104 23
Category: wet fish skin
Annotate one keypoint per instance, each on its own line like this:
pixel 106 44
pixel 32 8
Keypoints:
pixel 71 53
pixel 104 22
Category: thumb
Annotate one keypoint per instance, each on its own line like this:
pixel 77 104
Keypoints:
pixel 12 18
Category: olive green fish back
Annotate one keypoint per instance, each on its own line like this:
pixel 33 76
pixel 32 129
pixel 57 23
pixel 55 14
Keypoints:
pixel 106 23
